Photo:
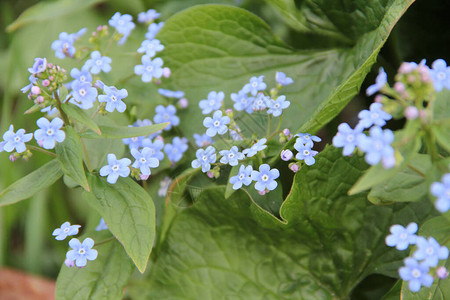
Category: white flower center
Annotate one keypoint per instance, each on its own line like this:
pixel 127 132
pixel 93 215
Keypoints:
pixel 416 273
pixel 143 160
pixel 350 138
pixel 231 155
pixel 17 139
pixel 50 131
pixel 216 123
pixel 113 98
pixel 375 116
pixel 265 177
pixel 149 68
pixel 241 176
pixel 276 105
pixel 115 168
pixel 81 251
pixel 82 78
pixel 165 116
pixel 254 84
pixel 441 75
pixel 305 152
pixel 429 251
pixel 403 236
pixel 120 22
pixel 98 62
pixel 211 102
pixel 378 145
pixel 134 139
pixel 204 157
pixel 66 229
pixel 82 92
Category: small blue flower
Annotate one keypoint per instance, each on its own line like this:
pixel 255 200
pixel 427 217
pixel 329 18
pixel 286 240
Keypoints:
pixel 113 99
pixel 380 82
pixel 276 106
pixel 234 134
pixel 430 251
pixel 146 122
pixel 416 274
pixel 242 101
pixel 202 140
pixel 217 124
pixel 441 190
pixel 98 63
pixel 49 133
pixel 307 139
pixel 82 252
pixel 402 237
pixel 153 29
pixel 214 102
pixel 144 160
pixel 16 140
pixel 32 80
pixel 65 230
pixel 101 225
pixel 149 68
pixel 265 178
pixel 115 168
pixel 375 116
pixel 50 110
pixel 261 102
pixel 347 138
pixel 83 76
pixel 39 66
pixel 154 147
pixel 151 47
pixel 2 145
pixel 175 150
pixel 231 156
pixel 64 46
pixel 123 24
pixel 148 16
pixel 83 94
pixel 171 94
pixel 305 153
pixel 204 159
pixel 244 177
pixel 440 74
pixel 166 114
pixel 134 142
pixel 255 148
pixel 256 84
pixel 378 146
pixel 282 79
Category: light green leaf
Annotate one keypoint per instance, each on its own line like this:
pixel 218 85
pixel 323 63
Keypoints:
pixel 70 157
pixel 129 212
pixel 80 115
pixel 32 183
pixel 121 132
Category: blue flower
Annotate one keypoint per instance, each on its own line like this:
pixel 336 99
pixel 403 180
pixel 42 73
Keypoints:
pixel 255 148
pixel 244 177
pixel 164 186
pixel 282 79
pixel 150 47
pixel 305 153
pixel 307 139
pixel 214 102
pixel 39 66
pixel 155 148
pixel 83 76
pixel 166 114
pixel 149 68
pixel 440 74
pixel 2 144
pixel 83 94
pixel 261 102
pixel 49 133
pixel 256 84
pixel 146 122
pixel 380 82
pixel 416 274
pixel 175 150
pixel 231 156
pixel 204 159
pixel 101 225
pixel 276 106
pixel 430 251
pixel 32 80
pixel 123 24
pixel 171 94
pixel 217 124
pixel 64 46
pixel 378 146
pixel 153 29
pixel 82 252
pixel 134 142
pixel 113 99
pixel 144 160
pixel 441 190
pixel 50 110
pixel 202 140
pixel 265 178
pixel 402 237
pixel 115 168
pixel 376 116
pixel 242 101
pixel 98 63
pixel 148 16
pixel 234 134
pixel 16 140
pixel 347 138
pixel 65 230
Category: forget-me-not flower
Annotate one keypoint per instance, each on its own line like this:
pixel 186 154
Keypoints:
pixel 171 94
pixel 134 142
pixel 441 190
pixel 153 29
pixel 378 146
pixel 380 82
pixel 202 140
pixel 148 16
pixel 305 153
pixel 16 140
pixel 123 24
pixel 115 168
pixel 146 122
pixel 217 124
pixel 416 273
pixel 231 156
pixel 154 147
pixel 83 94
pixel 81 252
pixel 244 177
pixel 65 230
pixel 261 102
pixel 150 68
pixel 175 150
pixel 166 114
pixel 255 148
pixel 374 116
pixel 214 102
pixel 307 139
pixel 276 106
pixel 440 74
pixel 144 160
pixel 39 66
pixel 402 237
pixel 64 45
pixel 282 79
pixel 242 101
pixel 204 159
pixel 150 47
pixel 101 225
pixel 82 75
pixel 113 98
pixel 265 178
pixel 98 63
pixel 49 133
pixel 430 251
pixel 255 85
pixel 347 138
pixel 32 80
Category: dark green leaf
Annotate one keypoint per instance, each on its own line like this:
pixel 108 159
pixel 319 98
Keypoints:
pixel 80 115
pixel 394 293
pixel 121 132
pixel 32 183
pixel 442 133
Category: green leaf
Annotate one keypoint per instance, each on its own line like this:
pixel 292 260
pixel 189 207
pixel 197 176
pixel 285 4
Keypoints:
pixel 442 133
pixel 325 245
pixel 103 278
pixel 394 293
pixel 49 10
pixel 215 47
pixel 32 183
pixel 121 132
pixel 129 212
pixel 229 189
pixel 80 115
pixel 70 157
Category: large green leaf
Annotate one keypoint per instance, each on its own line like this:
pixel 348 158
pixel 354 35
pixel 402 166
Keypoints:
pixel 326 243
pixel 104 278
pixel 129 212
pixel 214 47
pixel 32 183
pixel 81 116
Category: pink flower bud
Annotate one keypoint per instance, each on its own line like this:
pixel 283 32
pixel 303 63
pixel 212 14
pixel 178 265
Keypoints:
pixel 442 272
pixel 183 103
pixel 294 168
pixel 40 143
pixel 35 90
pixel 160 138
pixel 50 65
pixel 423 114
pixel 228 111
pixel 411 113
pixel 12 158
pixel 51 78
pixel 144 177
pixel 286 132
pixel 99 28
pixel 399 87
pixel 286 155
pixel 46 82
pixel 378 99
pixel 158 82
pixel 166 72
pixel 210 174
pixel 406 68
pixel 39 99
pixel 262 193
pixel 69 263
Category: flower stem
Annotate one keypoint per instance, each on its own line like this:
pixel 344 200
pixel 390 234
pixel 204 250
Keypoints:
pixel 88 162
pixel 41 150
pixel 105 241
pixel 61 112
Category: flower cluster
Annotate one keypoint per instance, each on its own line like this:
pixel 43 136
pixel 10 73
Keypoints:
pixel 441 190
